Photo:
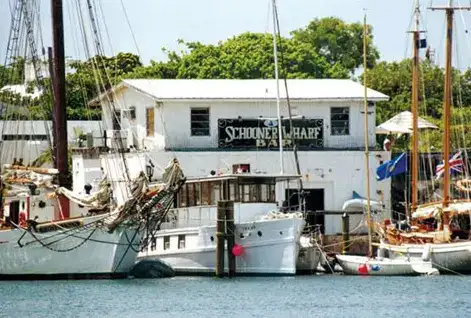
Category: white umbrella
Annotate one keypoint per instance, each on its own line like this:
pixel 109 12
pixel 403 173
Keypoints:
pixel 402 124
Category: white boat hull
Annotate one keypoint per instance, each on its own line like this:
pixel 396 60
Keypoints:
pixel 447 258
pixel 362 265
pixel 271 247
pixel 84 252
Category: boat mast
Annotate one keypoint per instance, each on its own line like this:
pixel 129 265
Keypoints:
pixel 415 106
pixel 59 113
pixel 449 9
pixel 367 152
pixel 275 53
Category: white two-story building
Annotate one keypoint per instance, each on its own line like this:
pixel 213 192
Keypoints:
pixel 227 126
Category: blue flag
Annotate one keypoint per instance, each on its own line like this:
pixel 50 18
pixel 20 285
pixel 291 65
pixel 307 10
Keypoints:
pixel 391 168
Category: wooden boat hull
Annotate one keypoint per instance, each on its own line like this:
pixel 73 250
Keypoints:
pixel 447 257
pixel 362 265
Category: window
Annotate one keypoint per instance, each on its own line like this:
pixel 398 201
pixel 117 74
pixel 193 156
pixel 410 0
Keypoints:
pixel 153 244
pixel 339 121
pixel 206 193
pixel 166 242
pixel 181 241
pixel 24 137
pixel 150 128
pixel 200 121
pixel 215 192
pixel 130 113
pixel 183 196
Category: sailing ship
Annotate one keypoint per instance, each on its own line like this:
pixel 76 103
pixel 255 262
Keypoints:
pixel 103 238
pixel 371 265
pixel 435 244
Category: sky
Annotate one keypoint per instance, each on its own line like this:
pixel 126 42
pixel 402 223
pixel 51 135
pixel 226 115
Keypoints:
pixel 160 23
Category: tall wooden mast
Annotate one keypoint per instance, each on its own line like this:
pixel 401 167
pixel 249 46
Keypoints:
pixel 415 106
pixel 59 113
pixel 449 10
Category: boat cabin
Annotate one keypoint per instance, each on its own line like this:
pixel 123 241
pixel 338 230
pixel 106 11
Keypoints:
pixel 253 195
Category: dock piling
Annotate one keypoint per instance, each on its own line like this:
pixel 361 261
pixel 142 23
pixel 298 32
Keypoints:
pixel 230 230
pixel 220 237
pixel 345 232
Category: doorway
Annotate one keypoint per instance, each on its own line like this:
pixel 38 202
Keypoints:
pixel 15 212
pixel 314 202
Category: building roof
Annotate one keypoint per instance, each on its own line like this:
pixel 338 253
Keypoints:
pixel 38 127
pixel 250 89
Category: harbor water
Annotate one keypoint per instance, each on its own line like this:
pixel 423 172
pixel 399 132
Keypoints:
pixel 301 296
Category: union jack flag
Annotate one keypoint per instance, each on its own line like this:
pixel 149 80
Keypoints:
pixel 456 165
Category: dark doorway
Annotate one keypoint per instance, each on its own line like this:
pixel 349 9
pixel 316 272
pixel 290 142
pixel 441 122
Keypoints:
pixel 314 200
pixel 15 212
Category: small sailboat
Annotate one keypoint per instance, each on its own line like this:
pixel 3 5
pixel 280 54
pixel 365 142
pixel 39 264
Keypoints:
pixel 370 265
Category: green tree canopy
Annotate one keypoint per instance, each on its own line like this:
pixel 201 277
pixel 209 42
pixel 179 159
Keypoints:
pixel 395 80
pixel 246 56
pixel 338 42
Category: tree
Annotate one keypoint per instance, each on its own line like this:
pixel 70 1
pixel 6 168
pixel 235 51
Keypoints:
pixel 395 79
pixel 246 56
pixel 338 42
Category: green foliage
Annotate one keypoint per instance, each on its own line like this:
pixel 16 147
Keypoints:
pixel 246 56
pixel 338 42
pixel 87 80
pixel 395 80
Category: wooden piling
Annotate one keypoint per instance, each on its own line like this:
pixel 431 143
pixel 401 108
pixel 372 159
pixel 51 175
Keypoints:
pixel 220 237
pixel 230 230
pixel 345 233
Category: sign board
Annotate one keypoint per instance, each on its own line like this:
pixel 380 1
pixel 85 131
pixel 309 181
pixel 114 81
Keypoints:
pixel 263 134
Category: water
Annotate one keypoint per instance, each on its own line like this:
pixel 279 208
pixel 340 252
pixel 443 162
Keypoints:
pixel 302 296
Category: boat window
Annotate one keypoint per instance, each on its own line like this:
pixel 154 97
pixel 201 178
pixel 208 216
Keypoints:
pixel 205 193
pixel 271 193
pixel 254 190
pixel 233 191
pixel 244 193
pixel 263 192
pixel 191 194
pixel 181 241
pixel 153 244
pixel 264 195
pixel 144 244
pixel 198 193
pixel 215 191
pixel 166 242
pixel 183 196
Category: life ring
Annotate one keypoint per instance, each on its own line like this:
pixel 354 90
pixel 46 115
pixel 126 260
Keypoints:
pixel 464 185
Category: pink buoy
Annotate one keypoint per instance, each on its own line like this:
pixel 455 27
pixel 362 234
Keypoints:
pixel 237 250
pixel 363 269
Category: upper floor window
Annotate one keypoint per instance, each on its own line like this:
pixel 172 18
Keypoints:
pixel 200 121
pixel 130 113
pixel 339 121
pixel 150 127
